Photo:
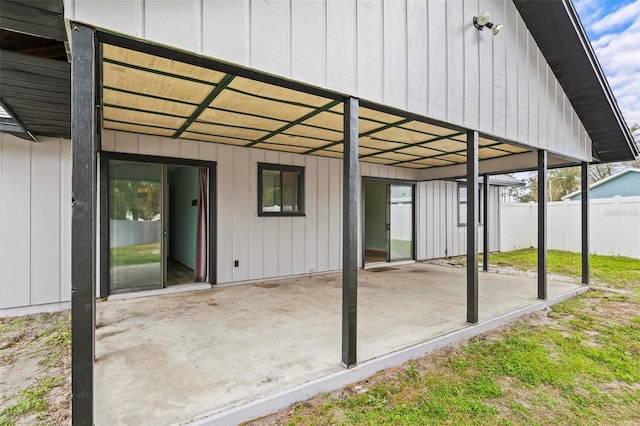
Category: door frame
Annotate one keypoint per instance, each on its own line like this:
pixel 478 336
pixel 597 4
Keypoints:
pixel 388 182
pixel 104 231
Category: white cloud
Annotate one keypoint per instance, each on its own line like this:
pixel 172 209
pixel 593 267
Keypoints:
pixel 616 41
pixel 624 15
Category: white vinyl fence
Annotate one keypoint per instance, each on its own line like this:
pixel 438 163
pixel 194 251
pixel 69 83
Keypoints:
pixel 130 233
pixel 614 225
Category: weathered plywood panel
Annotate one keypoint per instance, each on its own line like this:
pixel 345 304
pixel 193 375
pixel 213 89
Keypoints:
pixel 308 41
pixel 45 221
pixel 394 28
pixel 225 214
pixel 335 214
pixel 438 76
pixel 15 226
pixel 185 28
pixel 341 46
pixel 256 248
pixel 126 142
pixel 534 91
pixel 560 123
pixel 543 103
pixel 298 231
pixel 147 145
pixel 499 73
pixel 486 65
pixel 241 212
pixel 270 36
pixel 271 231
pixel 510 33
pixel 65 220
pixel 323 215
pixel 189 150
pixel 123 17
pixel 226 32
pixel 208 151
pixel 417 56
pixel 472 39
pixel 523 80
pixel 285 235
pixel 311 215
pixel 370 39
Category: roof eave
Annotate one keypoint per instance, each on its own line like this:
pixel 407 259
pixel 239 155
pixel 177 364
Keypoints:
pixel 601 95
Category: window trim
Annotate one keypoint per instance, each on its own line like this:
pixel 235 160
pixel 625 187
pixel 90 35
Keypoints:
pixel 481 201
pixel 301 188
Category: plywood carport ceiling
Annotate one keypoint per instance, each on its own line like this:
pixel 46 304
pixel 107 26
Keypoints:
pixel 147 94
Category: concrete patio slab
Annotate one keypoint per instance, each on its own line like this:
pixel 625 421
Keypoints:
pixel 182 357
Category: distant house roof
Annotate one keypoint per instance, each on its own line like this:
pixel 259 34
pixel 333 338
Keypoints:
pixel 499 180
pixel 630 189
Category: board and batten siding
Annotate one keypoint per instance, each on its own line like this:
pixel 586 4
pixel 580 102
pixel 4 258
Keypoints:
pixel 265 247
pixel 35 215
pixel 35 223
pixel 439 234
pixel 423 56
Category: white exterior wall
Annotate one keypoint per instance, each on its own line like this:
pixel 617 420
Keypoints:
pixel 422 56
pixel 439 234
pixel 614 224
pixel 265 247
pixel 35 223
pixel 35 215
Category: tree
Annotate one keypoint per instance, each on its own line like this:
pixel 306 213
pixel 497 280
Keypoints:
pixel 560 182
pixel 635 132
pixel 597 172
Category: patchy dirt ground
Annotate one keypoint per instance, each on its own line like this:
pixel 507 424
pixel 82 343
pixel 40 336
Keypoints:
pixel 35 360
pixel 35 369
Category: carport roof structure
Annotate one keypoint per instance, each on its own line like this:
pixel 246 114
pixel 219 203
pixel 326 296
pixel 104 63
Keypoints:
pixel 149 94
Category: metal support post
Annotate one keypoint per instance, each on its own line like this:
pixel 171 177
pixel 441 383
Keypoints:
pixel 542 224
pixel 472 226
pixel 83 220
pixel 584 203
pixel 485 218
pixel 350 234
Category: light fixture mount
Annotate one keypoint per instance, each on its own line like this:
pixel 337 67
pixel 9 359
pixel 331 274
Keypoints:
pixel 483 20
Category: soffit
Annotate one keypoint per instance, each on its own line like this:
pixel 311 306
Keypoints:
pixel 35 76
pixel 145 93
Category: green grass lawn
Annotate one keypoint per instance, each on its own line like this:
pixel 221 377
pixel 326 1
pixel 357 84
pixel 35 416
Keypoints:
pixel 612 270
pixel 578 364
pixel 135 255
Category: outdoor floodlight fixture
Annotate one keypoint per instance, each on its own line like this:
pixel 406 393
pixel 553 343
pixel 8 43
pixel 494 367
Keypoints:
pixel 482 20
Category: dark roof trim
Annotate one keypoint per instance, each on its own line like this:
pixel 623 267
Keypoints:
pixel 36 92
pixel 14 125
pixel 44 18
pixel 575 65
pixel 147 46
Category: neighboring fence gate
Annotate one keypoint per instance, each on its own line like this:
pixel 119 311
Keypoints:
pixel 614 225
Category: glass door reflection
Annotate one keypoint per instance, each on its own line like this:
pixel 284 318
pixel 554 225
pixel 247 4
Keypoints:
pixel 135 226
pixel 400 222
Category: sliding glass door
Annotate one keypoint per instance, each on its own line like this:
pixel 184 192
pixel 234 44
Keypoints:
pixel 135 226
pixel 388 221
pixel 400 222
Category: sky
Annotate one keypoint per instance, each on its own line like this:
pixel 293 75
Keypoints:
pixel 614 29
